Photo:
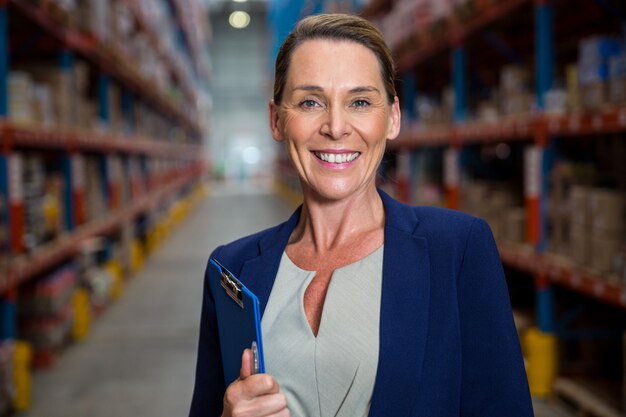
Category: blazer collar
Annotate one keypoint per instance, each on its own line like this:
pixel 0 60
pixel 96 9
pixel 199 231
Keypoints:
pixel 404 303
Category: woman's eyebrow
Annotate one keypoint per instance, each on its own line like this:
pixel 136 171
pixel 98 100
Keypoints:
pixel 358 89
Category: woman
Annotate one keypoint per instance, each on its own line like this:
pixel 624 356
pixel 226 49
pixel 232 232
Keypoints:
pixel 370 307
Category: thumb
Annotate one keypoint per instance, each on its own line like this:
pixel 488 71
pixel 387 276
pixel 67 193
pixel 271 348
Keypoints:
pixel 246 364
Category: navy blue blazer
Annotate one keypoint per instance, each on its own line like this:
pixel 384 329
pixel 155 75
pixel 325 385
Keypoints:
pixel 448 344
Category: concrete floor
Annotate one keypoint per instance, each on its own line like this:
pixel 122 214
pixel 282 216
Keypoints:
pixel 139 359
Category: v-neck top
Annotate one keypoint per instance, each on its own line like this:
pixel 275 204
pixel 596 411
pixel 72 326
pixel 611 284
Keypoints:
pixel 332 374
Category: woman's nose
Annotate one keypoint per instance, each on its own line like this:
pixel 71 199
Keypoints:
pixel 336 124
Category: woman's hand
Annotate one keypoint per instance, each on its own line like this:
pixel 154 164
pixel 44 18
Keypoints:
pixel 254 395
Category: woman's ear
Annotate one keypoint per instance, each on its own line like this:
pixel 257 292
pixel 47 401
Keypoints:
pixel 275 125
pixel 393 130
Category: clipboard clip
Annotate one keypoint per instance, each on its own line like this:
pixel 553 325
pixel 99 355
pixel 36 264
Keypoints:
pixel 232 287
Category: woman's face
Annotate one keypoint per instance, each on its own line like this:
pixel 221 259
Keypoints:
pixel 334 117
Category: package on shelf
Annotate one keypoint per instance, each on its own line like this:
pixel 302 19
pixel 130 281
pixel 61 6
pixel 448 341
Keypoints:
pixel 21 87
pixel 514 230
pixel 514 91
pixel 34 187
pixel 593 57
pixel 491 201
pixel 608 228
pixel 94 254
pixel 47 333
pixel 95 188
pixel 556 101
pixel 53 207
pixel 580 225
pixel 593 68
pixel 60 84
pixel 617 79
pixel 47 296
pixel 572 83
pixel 88 116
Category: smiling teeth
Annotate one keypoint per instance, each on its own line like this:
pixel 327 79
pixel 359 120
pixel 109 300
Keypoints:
pixel 335 158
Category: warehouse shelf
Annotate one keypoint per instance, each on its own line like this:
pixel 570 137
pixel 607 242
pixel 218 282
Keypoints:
pixel 175 66
pixel 604 121
pixel 14 135
pixel 24 267
pixel 186 12
pixel 110 60
pixel 424 44
pixel 563 272
pixel 514 113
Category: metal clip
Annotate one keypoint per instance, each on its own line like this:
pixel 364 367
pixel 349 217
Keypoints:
pixel 232 287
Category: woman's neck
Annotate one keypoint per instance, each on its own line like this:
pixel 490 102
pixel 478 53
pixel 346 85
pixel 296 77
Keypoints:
pixel 327 225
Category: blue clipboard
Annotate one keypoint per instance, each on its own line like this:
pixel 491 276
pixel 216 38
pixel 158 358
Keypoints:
pixel 238 321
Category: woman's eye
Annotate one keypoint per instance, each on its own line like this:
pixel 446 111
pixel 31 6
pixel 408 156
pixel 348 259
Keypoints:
pixel 309 104
pixel 360 103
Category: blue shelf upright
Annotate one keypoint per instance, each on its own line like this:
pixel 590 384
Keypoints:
pixel 544 73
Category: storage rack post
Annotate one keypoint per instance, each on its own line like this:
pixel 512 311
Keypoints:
pixel 537 191
pixel 452 158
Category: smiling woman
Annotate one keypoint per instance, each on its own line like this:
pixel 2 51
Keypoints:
pixel 370 307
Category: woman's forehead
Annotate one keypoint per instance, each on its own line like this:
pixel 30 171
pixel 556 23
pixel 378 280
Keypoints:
pixel 326 60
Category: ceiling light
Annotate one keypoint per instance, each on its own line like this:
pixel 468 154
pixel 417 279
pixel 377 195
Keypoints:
pixel 239 19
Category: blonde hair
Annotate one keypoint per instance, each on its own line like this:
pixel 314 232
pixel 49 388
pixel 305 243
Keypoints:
pixel 335 27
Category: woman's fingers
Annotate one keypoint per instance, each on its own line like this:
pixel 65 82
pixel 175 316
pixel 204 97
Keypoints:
pixel 254 395
pixel 246 364
pixel 274 405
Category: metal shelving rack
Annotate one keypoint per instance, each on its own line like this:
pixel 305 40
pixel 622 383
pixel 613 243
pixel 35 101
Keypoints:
pixel 185 162
pixel 534 132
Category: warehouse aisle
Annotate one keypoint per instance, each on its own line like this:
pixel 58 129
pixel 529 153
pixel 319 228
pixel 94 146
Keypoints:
pixel 139 359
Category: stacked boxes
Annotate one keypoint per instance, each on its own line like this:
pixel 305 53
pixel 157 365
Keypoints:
pixel 593 69
pixel 499 206
pixel 44 310
pixel 580 225
pixel 20 97
pixel 608 228
pixel 597 229
pixel 515 97
pixel 95 189
pixel 34 193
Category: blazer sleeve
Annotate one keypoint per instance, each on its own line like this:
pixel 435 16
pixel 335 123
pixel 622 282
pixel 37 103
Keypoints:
pixel 207 400
pixel 494 382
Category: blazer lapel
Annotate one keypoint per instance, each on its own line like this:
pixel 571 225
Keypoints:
pixel 404 312
pixel 259 273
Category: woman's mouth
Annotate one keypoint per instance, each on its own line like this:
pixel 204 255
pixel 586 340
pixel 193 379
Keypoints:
pixel 337 158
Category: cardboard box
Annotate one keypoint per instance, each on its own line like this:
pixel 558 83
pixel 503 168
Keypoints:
pixel 605 248
pixel 607 210
pixel 515 221
pixel 579 205
pixel 580 247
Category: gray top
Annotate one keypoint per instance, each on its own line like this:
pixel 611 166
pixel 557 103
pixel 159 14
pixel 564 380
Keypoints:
pixel 332 374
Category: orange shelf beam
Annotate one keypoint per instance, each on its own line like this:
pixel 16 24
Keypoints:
pixel 567 276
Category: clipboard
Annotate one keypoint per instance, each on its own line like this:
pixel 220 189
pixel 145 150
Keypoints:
pixel 238 321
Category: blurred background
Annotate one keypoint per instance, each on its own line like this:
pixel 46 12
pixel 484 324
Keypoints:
pixel 134 140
